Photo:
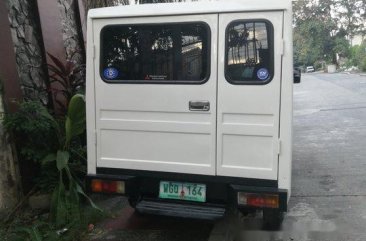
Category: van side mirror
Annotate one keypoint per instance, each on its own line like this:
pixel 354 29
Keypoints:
pixel 297 75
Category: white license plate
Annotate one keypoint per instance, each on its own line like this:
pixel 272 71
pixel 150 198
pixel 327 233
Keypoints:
pixel 183 191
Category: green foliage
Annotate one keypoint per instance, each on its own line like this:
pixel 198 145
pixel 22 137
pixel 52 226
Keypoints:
pixel 358 56
pixel 76 118
pixel 341 46
pixel 32 232
pixel 350 16
pixel 47 179
pixel 62 159
pixel 312 42
pixel 318 65
pixel 322 29
pixel 35 130
pixel 65 203
pixel 58 162
pixel 66 198
pixel 363 64
pixel 313 30
pixel 38 136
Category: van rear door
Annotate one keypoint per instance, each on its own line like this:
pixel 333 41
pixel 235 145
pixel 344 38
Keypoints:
pixel 249 83
pixel 155 93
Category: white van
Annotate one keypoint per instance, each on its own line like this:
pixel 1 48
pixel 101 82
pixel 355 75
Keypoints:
pixel 189 106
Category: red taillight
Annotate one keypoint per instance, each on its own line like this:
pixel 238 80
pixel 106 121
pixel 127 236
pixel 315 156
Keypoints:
pixel 108 186
pixel 258 200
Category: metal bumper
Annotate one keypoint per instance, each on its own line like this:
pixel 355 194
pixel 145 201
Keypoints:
pixel 181 210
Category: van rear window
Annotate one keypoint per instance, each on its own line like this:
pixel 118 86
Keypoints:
pixel 155 53
pixel 249 52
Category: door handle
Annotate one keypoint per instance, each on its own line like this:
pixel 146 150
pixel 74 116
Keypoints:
pixel 199 105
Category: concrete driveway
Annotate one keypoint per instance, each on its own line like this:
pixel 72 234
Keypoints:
pixel 329 176
pixel 329 166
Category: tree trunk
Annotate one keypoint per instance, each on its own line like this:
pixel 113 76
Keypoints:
pixel 10 188
pixel 10 191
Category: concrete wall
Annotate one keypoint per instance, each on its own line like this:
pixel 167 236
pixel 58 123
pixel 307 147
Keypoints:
pixel 331 68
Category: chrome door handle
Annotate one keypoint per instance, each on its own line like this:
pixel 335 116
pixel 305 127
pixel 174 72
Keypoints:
pixel 199 105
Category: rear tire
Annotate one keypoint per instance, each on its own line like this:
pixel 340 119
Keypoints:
pixel 133 201
pixel 246 212
pixel 272 218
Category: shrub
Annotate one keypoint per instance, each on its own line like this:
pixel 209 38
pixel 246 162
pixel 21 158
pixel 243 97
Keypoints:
pixel 363 64
pixel 35 130
pixel 68 218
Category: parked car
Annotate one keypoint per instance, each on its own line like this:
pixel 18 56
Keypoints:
pixel 310 69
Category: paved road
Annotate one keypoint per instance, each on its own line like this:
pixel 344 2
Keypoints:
pixel 329 172
pixel 329 176
pixel 126 225
pixel 329 165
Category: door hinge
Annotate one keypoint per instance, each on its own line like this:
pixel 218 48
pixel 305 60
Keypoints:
pixel 95 137
pixel 93 53
pixel 278 146
pixel 282 47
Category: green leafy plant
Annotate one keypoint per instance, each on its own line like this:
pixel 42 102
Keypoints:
pixel 33 233
pixel 35 130
pixel 66 198
pixel 363 64
pixel 35 133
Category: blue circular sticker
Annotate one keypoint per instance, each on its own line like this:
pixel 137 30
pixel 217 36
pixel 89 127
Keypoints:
pixel 263 74
pixel 110 73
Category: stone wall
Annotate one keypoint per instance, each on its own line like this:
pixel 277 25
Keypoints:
pixel 27 40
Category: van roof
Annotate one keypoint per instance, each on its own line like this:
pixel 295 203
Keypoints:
pixel 202 7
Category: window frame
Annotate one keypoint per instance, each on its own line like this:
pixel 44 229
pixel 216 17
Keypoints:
pixel 167 82
pixel 271 44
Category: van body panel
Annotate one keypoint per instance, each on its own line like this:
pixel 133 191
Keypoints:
pixel 285 157
pixel 190 8
pixel 150 126
pixel 90 100
pixel 248 114
pixel 229 134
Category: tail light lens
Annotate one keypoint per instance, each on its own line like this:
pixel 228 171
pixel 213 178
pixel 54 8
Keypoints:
pixel 108 186
pixel 261 200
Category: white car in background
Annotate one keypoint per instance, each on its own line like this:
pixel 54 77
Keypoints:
pixel 310 69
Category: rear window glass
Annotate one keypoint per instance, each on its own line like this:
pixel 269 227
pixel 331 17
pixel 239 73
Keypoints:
pixel 249 52
pixel 155 53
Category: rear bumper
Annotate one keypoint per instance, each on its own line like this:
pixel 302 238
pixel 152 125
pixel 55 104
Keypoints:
pixel 220 191
pixel 183 210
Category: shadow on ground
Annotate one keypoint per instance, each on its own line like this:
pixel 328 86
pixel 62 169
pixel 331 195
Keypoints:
pixel 126 224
